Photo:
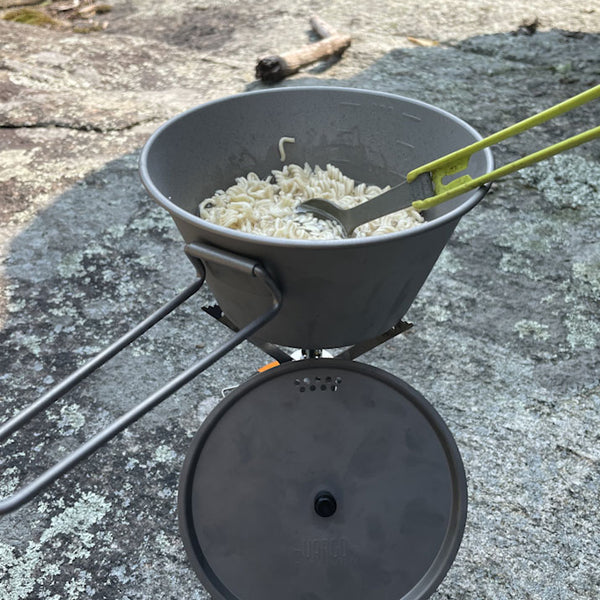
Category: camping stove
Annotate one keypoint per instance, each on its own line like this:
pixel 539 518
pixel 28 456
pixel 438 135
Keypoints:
pixel 321 478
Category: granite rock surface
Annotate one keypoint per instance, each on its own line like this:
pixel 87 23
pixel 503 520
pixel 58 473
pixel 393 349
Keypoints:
pixel 506 336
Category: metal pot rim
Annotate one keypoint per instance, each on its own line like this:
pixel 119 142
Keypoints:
pixel 196 221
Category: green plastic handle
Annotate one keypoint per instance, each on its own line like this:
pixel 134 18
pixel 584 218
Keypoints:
pixel 456 162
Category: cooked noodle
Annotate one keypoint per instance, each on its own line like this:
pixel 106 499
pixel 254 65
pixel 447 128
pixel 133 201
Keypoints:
pixel 282 141
pixel 268 206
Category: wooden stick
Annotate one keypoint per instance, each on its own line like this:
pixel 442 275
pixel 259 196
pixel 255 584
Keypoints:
pixel 275 68
pixel 322 28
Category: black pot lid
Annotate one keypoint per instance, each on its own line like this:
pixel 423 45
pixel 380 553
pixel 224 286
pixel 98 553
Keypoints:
pixel 322 479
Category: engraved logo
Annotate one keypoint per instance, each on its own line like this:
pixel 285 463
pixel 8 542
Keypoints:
pixel 323 551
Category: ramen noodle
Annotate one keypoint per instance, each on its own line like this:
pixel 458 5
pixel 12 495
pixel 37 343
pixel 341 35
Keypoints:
pixel 268 206
pixel 282 141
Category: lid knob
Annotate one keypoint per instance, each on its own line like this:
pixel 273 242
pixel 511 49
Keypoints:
pixel 325 504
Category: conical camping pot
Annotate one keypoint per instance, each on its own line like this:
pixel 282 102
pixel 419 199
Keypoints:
pixel 334 293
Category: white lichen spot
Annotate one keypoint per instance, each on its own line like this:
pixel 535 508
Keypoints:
pixel 17 573
pixel 588 273
pixel 116 231
pixel 516 263
pixel 64 310
pixel 167 546
pixel 437 313
pixel 71 265
pixel 105 536
pixel 16 305
pixel 77 520
pixel 119 573
pixel 448 262
pixel 9 482
pixel 566 180
pixel 88 350
pixel 131 464
pixel 76 587
pixel 21 573
pixel 166 493
pixel 82 550
pixel 162 541
pixel 155 221
pixel 17 164
pixel 164 454
pixel 583 332
pixel 108 275
pixel 51 570
pixel 532 329
pixel 71 419
pixel 30 342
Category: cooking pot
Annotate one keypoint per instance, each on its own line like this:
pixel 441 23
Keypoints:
pixel 335 292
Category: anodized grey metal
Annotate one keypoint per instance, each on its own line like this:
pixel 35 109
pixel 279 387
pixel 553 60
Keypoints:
pixel 312 429
pixel 336 293
pixel 31 489
pixel 272 350
pixel 59 390
pixel 399 197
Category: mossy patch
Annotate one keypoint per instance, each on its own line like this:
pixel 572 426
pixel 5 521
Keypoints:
pixel 78 18
pixel 33 16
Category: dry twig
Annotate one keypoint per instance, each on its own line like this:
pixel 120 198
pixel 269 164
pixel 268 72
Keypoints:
pixel 275 68
pixel 426 42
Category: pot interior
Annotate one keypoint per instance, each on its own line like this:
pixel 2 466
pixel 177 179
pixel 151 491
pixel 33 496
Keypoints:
pixel 373 138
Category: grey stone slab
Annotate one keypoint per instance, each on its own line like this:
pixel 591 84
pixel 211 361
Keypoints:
pixel 506 336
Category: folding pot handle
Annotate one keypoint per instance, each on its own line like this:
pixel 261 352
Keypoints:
pixel 28 491
pixel 199 252
pixel 202 252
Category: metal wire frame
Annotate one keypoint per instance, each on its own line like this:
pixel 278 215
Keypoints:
pixel 197 252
